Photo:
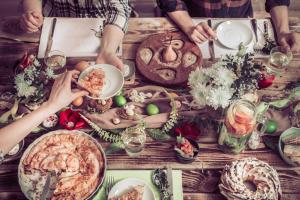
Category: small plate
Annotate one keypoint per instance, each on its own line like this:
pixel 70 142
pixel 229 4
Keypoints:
pixel 113 83
pixel 232 33
pixel 122 186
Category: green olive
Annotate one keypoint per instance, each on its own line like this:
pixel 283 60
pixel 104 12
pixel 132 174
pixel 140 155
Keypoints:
pixel 271 126
pixel 120 100
pixel 152 109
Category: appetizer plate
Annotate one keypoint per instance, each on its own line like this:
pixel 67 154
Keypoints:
pixel 124 185
pixel 113 83
pixel 293 131
pixel 232 33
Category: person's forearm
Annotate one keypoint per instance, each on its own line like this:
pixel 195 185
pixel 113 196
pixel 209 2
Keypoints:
pixel 32 5
pixel 279 16
pixel 112 37
pixel 15 132
pixel 183 20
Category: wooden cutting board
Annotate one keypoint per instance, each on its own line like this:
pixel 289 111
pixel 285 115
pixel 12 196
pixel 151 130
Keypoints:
pixel 150 62
pixel 10 29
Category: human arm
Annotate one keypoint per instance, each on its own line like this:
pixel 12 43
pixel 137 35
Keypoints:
pixel 60 97
pixel 177 11
pixel 32 18
pixel 116 24
pixel 279 13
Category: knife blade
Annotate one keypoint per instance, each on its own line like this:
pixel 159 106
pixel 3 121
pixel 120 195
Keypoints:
pixel 170 181
pixel 50 38
pixel 46 187
pixel 211 43
pixel 254 27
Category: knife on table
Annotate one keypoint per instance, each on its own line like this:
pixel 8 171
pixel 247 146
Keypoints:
pixel 211 43
pixel 254 27
pixel 50 38
pixel 170 182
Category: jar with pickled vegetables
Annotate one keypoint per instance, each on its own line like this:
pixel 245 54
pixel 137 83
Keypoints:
pixel 239 123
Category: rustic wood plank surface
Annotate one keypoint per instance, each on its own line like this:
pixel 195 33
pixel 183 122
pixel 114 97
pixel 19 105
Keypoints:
pixel 200 178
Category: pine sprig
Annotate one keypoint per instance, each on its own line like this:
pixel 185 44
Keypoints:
pixel 103 134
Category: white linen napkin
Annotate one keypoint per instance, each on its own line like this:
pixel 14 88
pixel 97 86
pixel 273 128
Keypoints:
pixel 76 37
pixel 221 50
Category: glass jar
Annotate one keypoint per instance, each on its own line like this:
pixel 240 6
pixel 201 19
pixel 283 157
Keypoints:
pixel 56 60
pixel 134 140
pixel 239 123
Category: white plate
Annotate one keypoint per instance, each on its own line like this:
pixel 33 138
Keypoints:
pixel 113 83
pixel 232 33
pixel 122 186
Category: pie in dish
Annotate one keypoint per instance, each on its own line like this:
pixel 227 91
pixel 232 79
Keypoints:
pixel 93 82
pixel 135 193
pixel 76 158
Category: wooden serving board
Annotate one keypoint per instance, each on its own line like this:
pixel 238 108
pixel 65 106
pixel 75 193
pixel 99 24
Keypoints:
pixel 150 62
pixel 10 29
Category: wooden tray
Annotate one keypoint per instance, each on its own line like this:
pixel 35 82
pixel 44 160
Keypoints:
pixel 150 63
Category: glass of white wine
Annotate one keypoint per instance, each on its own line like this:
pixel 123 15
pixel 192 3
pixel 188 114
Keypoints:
pixel 56 60
pixel 134 141
pixel 280 58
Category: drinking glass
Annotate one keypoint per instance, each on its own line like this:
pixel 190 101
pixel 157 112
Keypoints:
pixel 134 141
pixel 56 60
pixel 280 58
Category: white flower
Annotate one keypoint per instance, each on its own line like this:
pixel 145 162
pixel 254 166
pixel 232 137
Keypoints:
pixel 50 73
pixel 219 97
pixel 25 90
pixel 199 94
pixel 223 77
pixel 198 77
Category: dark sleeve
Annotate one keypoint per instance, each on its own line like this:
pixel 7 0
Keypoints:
pixel 171 5
pixel 272 3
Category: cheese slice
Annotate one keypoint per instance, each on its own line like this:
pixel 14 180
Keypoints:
pixel 136 193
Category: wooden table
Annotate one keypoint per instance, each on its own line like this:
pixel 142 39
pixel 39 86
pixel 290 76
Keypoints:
pixel 199 178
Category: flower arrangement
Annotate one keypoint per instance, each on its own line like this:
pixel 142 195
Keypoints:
pixel 231 77
pixel 30 82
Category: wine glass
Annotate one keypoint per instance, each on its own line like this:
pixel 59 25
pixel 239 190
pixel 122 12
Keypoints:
pixel 56 60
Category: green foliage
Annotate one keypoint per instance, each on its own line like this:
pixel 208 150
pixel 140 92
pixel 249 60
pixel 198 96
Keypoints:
pixel 103 134
pixel 157 134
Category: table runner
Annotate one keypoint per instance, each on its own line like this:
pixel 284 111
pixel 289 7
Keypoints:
pixel 146 176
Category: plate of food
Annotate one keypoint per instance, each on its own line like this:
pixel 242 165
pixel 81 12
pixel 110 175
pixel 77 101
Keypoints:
pixel 74 159
pixel 232 33
pixel 131 188
pixel 102 81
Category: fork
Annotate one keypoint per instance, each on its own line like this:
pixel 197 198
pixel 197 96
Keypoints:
pixel 109 184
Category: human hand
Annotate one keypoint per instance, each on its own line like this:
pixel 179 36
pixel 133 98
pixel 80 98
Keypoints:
pixel 61 93
pixel 290 41
pixel 110 58
pixel 201 33
pixel 31 21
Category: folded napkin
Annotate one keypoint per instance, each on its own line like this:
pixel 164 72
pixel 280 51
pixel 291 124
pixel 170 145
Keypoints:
pixel 76 37
pixel 146 176
pixel 221 50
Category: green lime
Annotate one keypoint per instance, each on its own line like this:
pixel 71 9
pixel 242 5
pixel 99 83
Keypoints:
pixel 152 109
pixel 271 126
pixel 120 100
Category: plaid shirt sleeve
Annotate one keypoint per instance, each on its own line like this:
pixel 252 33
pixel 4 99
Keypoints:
pixel 171 5
pixel 272 3
pixel 117 13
